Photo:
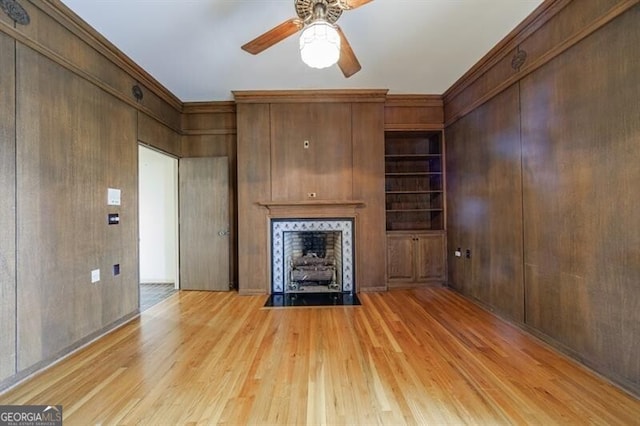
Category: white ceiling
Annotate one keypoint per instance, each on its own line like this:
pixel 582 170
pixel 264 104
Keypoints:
pixel 192 47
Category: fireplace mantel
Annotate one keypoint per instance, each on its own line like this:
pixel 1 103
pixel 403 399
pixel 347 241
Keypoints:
pixel 314 203
pixel 313 208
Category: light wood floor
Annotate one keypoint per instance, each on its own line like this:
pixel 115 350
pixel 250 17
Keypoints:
pixel 404 357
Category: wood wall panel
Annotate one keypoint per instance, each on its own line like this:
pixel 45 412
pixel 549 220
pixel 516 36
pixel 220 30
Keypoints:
pixel 482 86
pixel 456 196
pixel 568 22
pixel 209 123
pixel 485 210
pixel 254 184
pixel 5 18
pixel 554 27
pixel 581 129
pixel 209 118
pixel 325 167
pixel 209 146
pixel 73 142
pixel 45 31
pixel 368 186
pixel 413 112
pixel 159 108
pixel 156 134
pixel 7 208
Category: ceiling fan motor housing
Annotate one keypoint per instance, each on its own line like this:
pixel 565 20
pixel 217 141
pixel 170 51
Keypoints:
pixel 309 10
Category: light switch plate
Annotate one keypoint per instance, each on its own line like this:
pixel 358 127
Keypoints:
pixel 113 196
pixel 95 276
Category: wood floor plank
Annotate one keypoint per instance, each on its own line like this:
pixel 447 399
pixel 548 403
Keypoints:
pixel 420 356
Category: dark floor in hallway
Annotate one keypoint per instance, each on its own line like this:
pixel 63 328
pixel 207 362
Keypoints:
pixel 152 293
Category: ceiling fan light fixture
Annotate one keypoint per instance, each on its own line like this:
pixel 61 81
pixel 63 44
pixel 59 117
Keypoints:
pixel 320 44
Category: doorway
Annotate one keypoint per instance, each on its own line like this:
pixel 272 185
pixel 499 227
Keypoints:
pixel 158 226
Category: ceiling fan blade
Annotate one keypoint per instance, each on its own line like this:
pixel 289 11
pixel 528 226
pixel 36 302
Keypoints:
pixel 348 62
pixel 273 36
pixel 352 4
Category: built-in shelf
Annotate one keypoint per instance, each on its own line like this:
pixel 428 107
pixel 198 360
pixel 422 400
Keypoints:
pixel 414 181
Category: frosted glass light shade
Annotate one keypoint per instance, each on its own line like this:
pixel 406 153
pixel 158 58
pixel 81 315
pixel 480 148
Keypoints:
pixel 320 45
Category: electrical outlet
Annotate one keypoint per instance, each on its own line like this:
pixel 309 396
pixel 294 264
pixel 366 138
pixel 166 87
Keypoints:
pixel 95 276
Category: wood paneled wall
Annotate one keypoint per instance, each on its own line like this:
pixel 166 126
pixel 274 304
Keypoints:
pixel 254 185
pixel 581 171
pixel 368 185
pixel 66 161
pixel 572 119
pixel 324 167
pixel 344 159
pixel 7 209
pixel 158 135
pixel 69 130
pixel 485 204
pixel 413 112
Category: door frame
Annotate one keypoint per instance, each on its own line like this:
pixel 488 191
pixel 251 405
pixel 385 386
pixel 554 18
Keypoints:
pixel 176 213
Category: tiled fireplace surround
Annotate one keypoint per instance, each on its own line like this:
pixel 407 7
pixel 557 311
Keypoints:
pixel 285 245
pixel 331 215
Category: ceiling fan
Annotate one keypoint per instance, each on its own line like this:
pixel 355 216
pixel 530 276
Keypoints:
pixel 316 19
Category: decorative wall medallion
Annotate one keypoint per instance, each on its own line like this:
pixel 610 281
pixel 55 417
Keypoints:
pixel 137 92
pixel 518 60
pixel 14 11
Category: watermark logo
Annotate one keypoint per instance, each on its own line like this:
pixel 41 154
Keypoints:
pixel 30 415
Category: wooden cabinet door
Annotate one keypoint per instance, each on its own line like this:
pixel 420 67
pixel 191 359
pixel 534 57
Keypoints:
pixel 400 258
pixel 204 223
pixel 430 257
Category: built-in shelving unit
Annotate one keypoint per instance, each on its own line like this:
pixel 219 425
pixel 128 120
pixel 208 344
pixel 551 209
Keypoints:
pixel 414 182
pixel 414 193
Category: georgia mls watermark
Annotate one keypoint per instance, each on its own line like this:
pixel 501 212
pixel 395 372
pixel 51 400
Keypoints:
pixel 30 415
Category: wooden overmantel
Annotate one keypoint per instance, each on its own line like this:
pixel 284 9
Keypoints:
pixel 308 154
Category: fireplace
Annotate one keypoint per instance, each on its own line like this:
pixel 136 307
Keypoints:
pixel 312 256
